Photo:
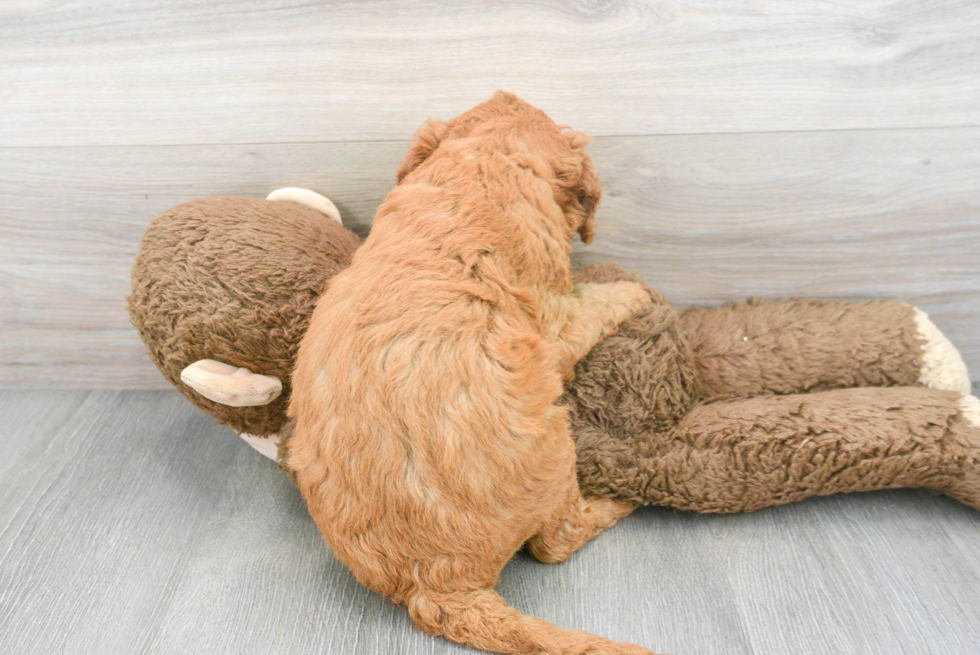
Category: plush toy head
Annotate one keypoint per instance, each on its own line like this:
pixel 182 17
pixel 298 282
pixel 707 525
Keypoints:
pixel 234 280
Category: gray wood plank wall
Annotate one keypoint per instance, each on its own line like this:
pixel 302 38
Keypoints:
pixel 769 149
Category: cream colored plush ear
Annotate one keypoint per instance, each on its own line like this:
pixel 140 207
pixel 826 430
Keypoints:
pixel 230 385
pixel 307 198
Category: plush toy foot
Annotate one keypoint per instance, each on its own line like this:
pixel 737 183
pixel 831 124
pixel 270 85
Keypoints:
pixel 268 446
pixel 307 198
pixel 942 365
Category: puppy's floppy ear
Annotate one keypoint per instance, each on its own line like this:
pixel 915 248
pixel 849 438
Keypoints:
pixel 425 141
pixel 576 139
pixel 588 192
pixel 587 189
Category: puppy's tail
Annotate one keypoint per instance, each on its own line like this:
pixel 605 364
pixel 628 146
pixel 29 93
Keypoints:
pixel 482 619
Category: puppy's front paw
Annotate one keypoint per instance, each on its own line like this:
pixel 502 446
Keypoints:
pixel 630 299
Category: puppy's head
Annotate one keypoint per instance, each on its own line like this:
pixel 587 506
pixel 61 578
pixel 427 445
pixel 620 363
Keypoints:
pixel 508 125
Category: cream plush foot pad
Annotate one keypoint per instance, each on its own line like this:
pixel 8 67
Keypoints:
pixel 970 408
pixel 942 365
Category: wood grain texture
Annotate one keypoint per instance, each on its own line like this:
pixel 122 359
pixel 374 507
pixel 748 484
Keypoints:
pixel 130 523
pixel 705 218
pixel 198 72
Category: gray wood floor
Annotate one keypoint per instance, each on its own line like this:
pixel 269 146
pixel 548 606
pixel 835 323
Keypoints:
pixel 131 523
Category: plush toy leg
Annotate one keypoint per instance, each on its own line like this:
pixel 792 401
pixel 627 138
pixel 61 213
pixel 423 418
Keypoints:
pixel 791 346
pixel 965 487
pixel 745 454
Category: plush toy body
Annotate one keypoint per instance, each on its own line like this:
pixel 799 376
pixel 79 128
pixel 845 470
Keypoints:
pixel 720 410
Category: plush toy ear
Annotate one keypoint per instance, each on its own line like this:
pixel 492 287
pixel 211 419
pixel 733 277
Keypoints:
pixel 308 198
pixel 425 141
pixel 230 385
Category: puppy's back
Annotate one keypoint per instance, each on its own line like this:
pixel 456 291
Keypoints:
pixel 420 407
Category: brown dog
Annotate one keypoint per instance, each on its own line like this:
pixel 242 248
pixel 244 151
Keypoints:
pixel 427 442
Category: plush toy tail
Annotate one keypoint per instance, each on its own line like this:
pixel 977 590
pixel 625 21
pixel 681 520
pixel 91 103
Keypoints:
pixel 481 619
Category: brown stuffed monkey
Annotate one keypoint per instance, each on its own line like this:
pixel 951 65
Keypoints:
pixel 712 410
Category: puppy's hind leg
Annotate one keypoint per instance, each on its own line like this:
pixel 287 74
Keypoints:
pixel 584 519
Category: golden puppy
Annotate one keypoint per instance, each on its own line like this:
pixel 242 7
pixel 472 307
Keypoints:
pixel 427 443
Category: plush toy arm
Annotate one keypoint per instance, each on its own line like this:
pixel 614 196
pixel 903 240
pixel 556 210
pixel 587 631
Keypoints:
pixel 745 454
pixel 230 385
pixel 747 349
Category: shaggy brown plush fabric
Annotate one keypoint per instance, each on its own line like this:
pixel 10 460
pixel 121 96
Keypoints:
pixel 234 279
pixel 744 349
pixel 677 409
pixel 652 425
pixel 641 379
pixel 745 454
